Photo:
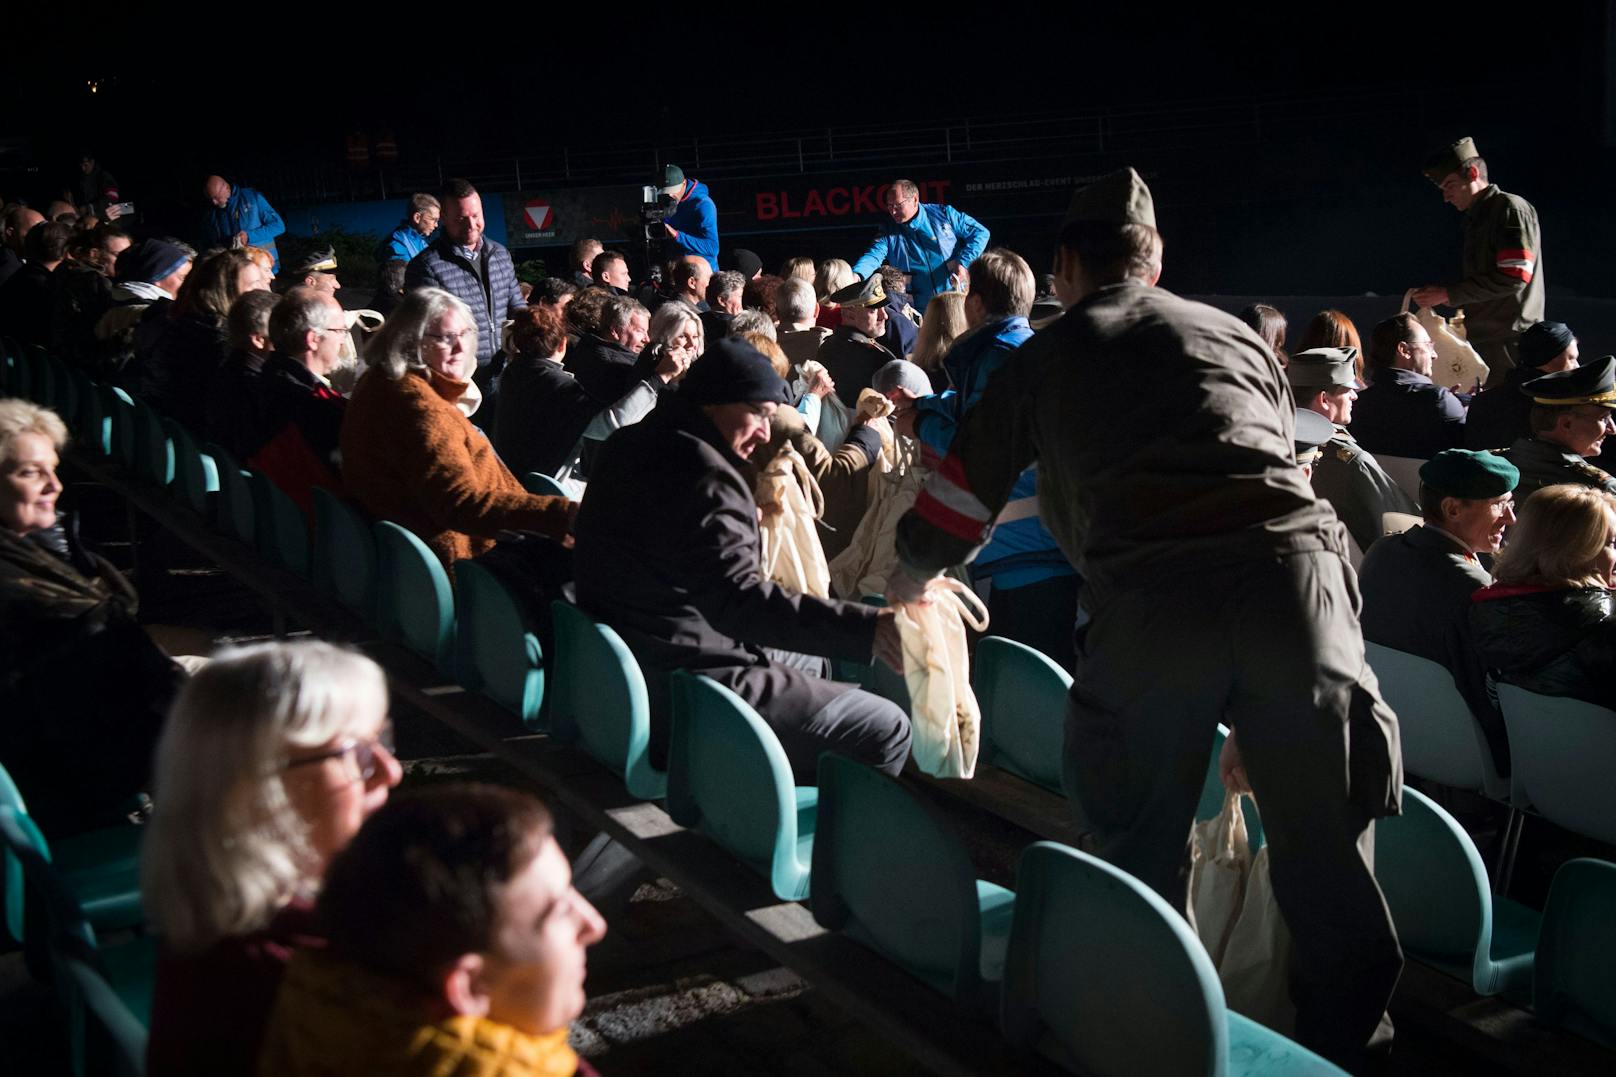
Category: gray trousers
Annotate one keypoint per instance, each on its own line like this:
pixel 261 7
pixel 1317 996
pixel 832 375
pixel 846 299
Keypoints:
pixel 1273 649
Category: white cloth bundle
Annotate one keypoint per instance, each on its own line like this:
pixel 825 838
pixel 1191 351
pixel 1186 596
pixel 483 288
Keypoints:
pixel 937 669
pixel 789 501
pixel 1457 362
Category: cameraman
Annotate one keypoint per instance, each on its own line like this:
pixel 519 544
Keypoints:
pixel 692 226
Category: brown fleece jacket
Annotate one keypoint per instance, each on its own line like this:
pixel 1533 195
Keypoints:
pixel 410 456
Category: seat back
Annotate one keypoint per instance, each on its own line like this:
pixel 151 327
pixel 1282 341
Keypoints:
pixel 414 605
pixel 495 652
pixel 729 777
pixel 1560 755
pixel 281 531
pixel 118 418
pixel 598 697
pixel 344 552
pixel 1442 741
pixel 15 916
pixel 87 417
pixel 1575 985
pixel 113 1039
pixel 888 872
pixel 234 513
pixel 64 392
pixel 154 455
pixel 195 474
pixel 1435 884
pixel 536 483
pixel 1105 975
pixel 1022 694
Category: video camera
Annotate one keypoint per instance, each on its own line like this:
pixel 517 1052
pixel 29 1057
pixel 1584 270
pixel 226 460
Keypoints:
pixel 655 206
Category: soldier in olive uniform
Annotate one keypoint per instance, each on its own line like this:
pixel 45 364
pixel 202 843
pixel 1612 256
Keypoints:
pixel 1346 475
pixel 1219 592
pixel 1571 416
pixel 1502 289
pixel 851 354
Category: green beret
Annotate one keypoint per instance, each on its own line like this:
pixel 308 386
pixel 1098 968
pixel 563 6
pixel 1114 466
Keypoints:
pixel 1119 197
pixel 1473 476
pixel 1323 368
pixel 1447 160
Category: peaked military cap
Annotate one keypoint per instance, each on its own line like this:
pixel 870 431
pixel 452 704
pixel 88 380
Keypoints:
pixel 318 260
pixel 1322 368
pixel 1312 430
pixel 1472 476
pixel 1119 197
pixel 1591 384
pixel 1446 161
pixel 861 293
pixel 1544 341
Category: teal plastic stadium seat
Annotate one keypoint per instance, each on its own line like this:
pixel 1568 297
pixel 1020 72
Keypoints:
pixel 64 392
pixel 105 991
pixel 87 419
pixel 598 698
pixel 728 778
pixel 1436 888
pixel 118 415
pixel 344 552
pixel 101 869
pixel 1576 955
pixel 154 454
pixel 1560 754
pixel 1022 694
pixel 1442 741
pixel 234 513
pixel 195 474
pixel 414 605
pixel 495 654
pixel 1104 977
pixel 888 872
pixel 535 483
pixel 282 531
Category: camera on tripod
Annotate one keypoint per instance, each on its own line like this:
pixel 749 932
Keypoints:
pixel 656 206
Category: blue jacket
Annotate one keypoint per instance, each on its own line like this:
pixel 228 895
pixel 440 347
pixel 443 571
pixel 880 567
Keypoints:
pixel 922 246
pixel 403 245
pixel 696 221
pixel 487 287
pixel 1020 551
pixel 247 211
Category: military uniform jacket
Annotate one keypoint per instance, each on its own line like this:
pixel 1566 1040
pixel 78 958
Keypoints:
pixel 851 359
pixel 1543 463
pixel 1502 289
pixel 1357 488
pixel 1188 467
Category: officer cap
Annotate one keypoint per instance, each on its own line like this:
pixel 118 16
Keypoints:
pixel 1312 430
pixel 1323 368
pixel 1591 384
pixel 318 260
pixel 1119 197
pixel 1446 161
pixel 1472 476
pixel 1543 341
pixel 672 176
pixel 861 293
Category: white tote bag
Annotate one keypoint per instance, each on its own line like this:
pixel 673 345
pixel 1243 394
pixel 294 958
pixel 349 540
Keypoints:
pixel 789 501
pixel 937 669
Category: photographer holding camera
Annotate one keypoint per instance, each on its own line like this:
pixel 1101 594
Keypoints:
pixel 688 217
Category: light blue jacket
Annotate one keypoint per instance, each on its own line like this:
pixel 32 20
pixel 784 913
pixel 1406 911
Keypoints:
pixel 404 244
pixel 696 221
pixel 922 246
pixel 1020 551
pixel 247 211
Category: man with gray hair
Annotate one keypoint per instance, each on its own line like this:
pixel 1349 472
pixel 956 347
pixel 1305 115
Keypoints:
pixel 797 335
pixel 752 321
pixel 605 362
pixel 413 232
pixel 301 414
pixel 724 299
pixel 934 244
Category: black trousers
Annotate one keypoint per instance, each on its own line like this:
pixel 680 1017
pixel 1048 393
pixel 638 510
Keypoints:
pixel 1042 615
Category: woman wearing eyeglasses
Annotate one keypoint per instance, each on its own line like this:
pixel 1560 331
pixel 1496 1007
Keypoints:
pixel 408 453
pixel 271 759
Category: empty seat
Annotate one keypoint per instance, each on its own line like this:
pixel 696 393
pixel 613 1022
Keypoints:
pixel 233 508
pixel 1022 694
pixel 344 552
pixel 728 778
pixel 1561 750
pixel 1104 977
pixel 598 698
pixel 414 605
pixel 1576 953
pixel 887 871
pixel 496 654
pixel 281 531
pixel 153 453
pixel 535 483
pixel 1442 741
pixel 118 411
pixel 195 474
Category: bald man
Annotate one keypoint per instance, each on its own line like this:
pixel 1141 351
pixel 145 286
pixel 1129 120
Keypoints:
pixel 239 217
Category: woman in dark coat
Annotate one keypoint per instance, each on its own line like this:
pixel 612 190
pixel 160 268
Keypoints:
pixel 1547 623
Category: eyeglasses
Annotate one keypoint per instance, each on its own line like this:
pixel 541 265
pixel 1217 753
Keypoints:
pixel 364 753
pixel 447 340
pixel 335 329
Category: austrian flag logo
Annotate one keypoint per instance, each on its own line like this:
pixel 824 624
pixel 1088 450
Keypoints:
pixel 1517 263
pixel 539 215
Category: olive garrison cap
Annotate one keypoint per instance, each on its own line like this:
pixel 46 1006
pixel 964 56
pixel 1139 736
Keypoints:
pixel 1323 368
pixel 1544 341
pixel 861 293
pixel 1119 197
pixel 1446 161
pixel 733 372
pixel 1312 430
pixel 318 260
pixel 1591 384
pixel 1472 476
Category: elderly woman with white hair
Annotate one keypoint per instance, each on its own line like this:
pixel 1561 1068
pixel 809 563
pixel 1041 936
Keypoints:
pixel 409 454
pixel 83 688
pixel 272 758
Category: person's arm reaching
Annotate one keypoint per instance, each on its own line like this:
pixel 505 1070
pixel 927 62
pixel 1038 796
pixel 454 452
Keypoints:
pixel 875 257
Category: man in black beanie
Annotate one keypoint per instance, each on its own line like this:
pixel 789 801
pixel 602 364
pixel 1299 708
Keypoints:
pixel 1498 416
pixel 667 555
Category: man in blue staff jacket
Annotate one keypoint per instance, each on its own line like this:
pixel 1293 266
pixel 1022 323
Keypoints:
pixel 240 217
pixel 933 244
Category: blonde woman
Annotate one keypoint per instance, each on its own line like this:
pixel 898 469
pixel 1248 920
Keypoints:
pixel 834 275
pixel 272 757
pixel 943 324
pixel 801 267
pixel 1547 622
